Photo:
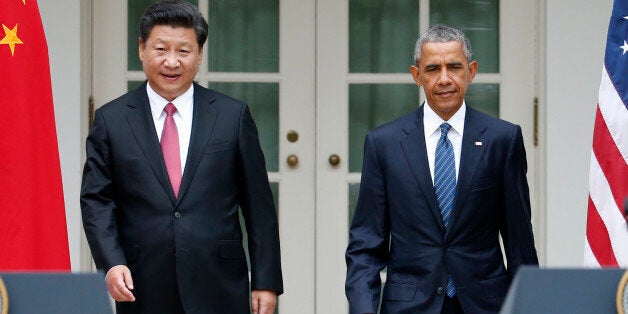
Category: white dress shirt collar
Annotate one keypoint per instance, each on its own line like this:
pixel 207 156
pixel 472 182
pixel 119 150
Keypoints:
pixel 432 122
pixel 157 103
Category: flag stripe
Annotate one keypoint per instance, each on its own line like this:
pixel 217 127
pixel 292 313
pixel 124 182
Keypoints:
pixel 589 258
pixel 614 112
pixel 615 225
pixel 598 238
pixel 610 160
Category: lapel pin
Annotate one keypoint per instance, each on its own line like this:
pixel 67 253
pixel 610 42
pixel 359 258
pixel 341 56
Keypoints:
pixel 478 143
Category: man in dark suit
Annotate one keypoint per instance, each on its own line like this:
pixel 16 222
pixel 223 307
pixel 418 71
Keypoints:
pixel 168 165
pixel 439 186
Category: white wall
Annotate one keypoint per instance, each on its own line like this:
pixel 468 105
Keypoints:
pixel 575 40
pixel 61 21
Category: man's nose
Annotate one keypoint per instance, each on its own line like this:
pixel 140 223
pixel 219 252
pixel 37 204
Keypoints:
pixel 443 77
pixel 172 60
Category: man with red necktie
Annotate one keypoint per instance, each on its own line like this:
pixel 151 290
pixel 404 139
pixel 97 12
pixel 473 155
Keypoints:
pixel 168 165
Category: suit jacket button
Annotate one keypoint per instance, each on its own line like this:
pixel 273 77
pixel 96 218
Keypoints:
pixel 177 215
pixel 446 248
pixel 440 290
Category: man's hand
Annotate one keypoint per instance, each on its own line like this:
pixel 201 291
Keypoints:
pixel 120 283
pixel 263 301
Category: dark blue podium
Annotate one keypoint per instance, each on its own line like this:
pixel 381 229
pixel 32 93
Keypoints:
pixel 54 293
pixel 557 291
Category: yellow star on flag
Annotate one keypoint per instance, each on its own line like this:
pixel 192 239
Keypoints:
pixel 24 1
pixel 10 38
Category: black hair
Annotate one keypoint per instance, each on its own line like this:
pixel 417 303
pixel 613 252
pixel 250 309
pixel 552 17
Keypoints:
pixel 175 13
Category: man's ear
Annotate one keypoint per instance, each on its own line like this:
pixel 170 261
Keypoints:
pixel 473 68
pixel 141 45
pixel 200 56
pixel 414 70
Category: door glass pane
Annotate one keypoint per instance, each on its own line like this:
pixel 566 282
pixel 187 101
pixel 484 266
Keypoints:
pixel 243 36
pixel 263 100
pixel 484 97
pixel 479 20
pixel 136 9
pixel 382 35
pixel 371 105
pixel 354 191
pixel 131 85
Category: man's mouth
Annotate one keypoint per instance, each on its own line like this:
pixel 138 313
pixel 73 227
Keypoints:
pixel 445 93
pixel 170 76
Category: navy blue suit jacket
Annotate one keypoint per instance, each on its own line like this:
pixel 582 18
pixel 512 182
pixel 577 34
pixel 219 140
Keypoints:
pixel 397 223
pixel 188 247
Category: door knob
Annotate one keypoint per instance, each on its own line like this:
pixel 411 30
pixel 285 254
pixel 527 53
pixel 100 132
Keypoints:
pixel 334 160
pixel 292 136
pixel 292 160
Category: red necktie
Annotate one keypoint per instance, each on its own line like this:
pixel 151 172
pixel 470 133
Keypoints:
pixel 170 148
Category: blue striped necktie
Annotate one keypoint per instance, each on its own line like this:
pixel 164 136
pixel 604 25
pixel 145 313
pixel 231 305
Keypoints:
pixel 445 184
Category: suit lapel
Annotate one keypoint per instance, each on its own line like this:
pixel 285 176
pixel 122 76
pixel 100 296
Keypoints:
pixel 203 121
pixel 140 120
pixel 474 146
pixel 413 146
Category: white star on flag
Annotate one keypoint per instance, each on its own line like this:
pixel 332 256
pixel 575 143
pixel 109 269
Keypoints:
pixel 625 46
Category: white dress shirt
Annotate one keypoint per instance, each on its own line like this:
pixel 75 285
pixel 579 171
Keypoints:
pixel 182 117
pixel 431 127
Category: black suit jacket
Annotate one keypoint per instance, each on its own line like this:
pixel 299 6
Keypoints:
pixel 191 246
pixel 397 223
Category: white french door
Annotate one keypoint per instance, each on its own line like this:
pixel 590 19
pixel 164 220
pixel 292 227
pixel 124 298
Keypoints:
pixel 363 52
pixel 318 74
pixel 267 61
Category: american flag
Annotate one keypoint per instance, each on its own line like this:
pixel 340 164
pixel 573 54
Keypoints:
pixel 607 232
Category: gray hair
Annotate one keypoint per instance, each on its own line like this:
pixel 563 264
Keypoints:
pixel 442 34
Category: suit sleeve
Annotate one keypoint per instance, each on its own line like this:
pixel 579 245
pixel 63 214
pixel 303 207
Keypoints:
pixel 368 251
pixel 97 204
pixel 258 209
pixel 516 227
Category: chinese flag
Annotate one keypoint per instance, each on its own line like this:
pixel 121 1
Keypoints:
pixel 33 233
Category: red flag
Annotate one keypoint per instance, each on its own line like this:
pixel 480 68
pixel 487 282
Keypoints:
pixel 607 233
pixel 33 232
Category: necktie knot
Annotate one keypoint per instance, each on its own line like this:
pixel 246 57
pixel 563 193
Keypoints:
pixel 444 129
pixel 170 109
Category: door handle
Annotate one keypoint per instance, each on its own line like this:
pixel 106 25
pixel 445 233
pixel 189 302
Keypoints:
pixel 334 160
pixel 292 136
pixel 292 160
